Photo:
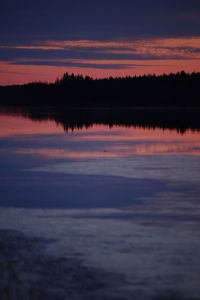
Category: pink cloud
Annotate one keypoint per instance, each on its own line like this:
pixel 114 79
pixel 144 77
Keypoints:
pixel 145 47
pixel 154 56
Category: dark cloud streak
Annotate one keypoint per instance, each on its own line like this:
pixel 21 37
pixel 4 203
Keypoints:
pixel 116 66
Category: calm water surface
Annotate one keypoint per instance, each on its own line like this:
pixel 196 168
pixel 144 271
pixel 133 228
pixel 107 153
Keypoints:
pixel 125 200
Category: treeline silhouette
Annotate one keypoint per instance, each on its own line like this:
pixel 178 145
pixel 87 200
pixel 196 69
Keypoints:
pixel 180 119
pixel 180 89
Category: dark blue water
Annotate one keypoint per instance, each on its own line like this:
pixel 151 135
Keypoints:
pixel 123 199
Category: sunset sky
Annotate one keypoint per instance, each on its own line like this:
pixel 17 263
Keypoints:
pixel 40 40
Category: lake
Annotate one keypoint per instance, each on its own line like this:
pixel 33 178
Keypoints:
pixel 117 202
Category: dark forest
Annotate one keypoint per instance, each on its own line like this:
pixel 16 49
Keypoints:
pixel 172 90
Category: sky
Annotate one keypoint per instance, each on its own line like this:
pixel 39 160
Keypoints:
pixel 41 40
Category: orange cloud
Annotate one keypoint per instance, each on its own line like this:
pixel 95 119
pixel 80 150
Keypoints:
pixel 182 47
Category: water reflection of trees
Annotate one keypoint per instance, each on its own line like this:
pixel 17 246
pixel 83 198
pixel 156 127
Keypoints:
pixel 180 119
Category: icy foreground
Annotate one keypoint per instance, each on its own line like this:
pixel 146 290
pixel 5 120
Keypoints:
pixel 27 273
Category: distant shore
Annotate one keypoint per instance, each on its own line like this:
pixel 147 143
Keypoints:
pixel 172 90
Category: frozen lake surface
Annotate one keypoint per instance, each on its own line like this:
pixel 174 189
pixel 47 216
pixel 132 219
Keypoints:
pixel 98 212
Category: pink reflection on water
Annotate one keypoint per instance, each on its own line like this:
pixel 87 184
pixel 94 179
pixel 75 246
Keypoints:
pixel 61 153
pixel 16 125
pixel 118 151
pixel 98 140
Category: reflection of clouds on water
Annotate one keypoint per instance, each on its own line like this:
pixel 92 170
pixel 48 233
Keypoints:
pixel 48 139
pixel 133 214
pixel 112 149
pixel 178 168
